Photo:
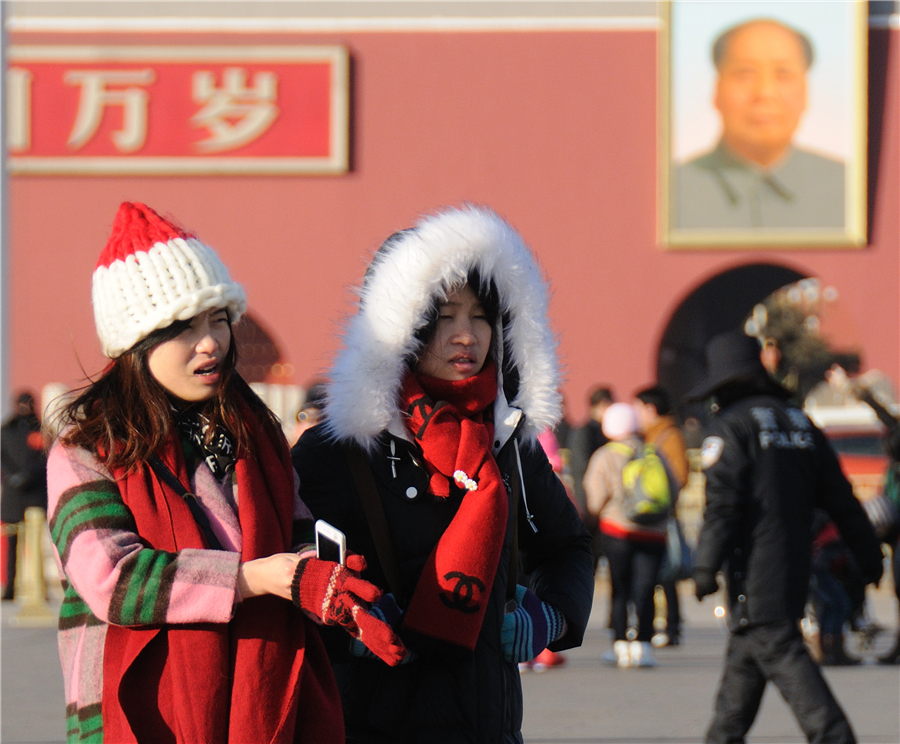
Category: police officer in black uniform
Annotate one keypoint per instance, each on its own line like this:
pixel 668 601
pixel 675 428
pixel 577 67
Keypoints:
pixel 767 467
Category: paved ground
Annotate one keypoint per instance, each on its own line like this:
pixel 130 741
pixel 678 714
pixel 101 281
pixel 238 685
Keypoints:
pixel 587 702
pixel 583 702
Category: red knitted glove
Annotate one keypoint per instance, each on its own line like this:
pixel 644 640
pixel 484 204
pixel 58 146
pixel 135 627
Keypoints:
pixel 338 596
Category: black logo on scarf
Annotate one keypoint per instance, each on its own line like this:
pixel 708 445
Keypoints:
pixel 463 592
pixel 421 405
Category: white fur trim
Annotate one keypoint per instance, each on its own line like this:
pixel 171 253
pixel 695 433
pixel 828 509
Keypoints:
pixel 398 293
pixel 152 289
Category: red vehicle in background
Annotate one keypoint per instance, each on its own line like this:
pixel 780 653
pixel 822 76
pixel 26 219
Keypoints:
pixel 858 438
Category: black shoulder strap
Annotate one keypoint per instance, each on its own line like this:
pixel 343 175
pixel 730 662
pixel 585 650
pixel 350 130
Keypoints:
pixel 163 473
pixel 367 489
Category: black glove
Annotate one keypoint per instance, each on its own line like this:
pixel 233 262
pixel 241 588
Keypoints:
pixel 705 582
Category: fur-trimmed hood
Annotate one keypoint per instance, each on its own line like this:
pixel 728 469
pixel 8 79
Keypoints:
pixel 407 274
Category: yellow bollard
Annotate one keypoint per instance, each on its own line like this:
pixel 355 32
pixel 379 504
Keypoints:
pixel 31 590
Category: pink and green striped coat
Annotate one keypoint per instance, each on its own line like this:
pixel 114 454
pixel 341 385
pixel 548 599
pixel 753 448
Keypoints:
pixel 109 576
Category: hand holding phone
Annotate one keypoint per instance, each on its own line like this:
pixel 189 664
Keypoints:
pixel 331 544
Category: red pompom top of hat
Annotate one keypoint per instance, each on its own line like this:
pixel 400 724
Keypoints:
pixel 137 228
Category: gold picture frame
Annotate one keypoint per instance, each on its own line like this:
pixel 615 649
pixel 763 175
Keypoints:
pixel 787 87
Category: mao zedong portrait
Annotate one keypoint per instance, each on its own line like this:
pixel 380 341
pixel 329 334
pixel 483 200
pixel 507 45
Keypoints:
pixel 755 177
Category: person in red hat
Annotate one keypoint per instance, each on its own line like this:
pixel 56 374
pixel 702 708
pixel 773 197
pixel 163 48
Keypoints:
pixel 191 589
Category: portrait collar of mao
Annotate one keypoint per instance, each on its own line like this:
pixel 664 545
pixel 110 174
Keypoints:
pixel 726 163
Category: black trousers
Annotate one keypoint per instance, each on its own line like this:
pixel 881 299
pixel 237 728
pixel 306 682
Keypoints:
pixel 775 653
pixel 633 568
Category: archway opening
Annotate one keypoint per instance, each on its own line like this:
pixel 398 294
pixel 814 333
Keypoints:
pixel 719 304
pixel 259 357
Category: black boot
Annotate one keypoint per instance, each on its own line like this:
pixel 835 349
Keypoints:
pixel 892 656
pixel 833 653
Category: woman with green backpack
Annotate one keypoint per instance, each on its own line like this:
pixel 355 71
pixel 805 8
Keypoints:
pixel 632 525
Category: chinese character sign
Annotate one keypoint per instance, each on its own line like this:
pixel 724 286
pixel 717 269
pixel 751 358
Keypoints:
pixel 176 110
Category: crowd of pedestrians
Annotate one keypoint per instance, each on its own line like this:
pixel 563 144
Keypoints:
pixel 474 518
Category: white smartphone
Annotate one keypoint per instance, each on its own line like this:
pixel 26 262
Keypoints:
pixel 331 545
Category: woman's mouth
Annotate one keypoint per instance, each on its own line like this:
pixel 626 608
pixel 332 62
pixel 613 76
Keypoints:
pixel 462 361
pixel 208 370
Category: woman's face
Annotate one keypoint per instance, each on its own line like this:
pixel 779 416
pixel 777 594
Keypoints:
pixel 189 365
pixel 461 340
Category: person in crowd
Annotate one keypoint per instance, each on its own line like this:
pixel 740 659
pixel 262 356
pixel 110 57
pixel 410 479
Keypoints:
pixel 23 474
pixel 767 468
pixel 832 568
pixel 178 526
pixel 308 416
pixel 837 377
pixel 634 552
pixel 428 461
pixel 659 429
pixel 584 441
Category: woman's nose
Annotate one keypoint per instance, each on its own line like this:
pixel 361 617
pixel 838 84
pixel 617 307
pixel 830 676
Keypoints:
pixel 465 333
pixel 207 343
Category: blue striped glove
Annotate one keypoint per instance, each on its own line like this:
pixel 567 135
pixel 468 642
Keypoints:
pixel 530 628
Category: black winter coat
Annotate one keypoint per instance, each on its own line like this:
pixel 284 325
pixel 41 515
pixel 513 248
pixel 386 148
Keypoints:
pixel 23 464
pixel 767 467
pixel 444 695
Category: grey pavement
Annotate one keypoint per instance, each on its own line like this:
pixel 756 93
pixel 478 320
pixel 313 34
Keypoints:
pixel 588 702
pixel 582 702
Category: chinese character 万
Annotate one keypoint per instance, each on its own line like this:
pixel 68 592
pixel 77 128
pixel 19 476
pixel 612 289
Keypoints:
pixel 96 95
pixel 234 114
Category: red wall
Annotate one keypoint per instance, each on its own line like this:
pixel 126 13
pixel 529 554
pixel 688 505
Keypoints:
pixel 555 130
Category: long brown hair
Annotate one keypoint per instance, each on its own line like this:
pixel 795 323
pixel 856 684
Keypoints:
pixel 125 415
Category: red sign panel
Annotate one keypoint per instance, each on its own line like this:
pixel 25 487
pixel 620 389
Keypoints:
pixel 177 110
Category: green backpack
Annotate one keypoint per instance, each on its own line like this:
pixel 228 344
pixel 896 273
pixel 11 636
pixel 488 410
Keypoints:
pixel 648 485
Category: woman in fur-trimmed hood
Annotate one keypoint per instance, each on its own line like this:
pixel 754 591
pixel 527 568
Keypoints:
pixel 447 374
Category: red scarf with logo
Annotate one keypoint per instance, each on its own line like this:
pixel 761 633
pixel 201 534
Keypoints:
pixel 451 421
pixel 263 677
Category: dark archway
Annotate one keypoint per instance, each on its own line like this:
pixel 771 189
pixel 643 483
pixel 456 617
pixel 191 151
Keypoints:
pixel 259 356
pixel 719 304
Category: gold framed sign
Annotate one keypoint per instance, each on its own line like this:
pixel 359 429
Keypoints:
pixel 177 110
pixel 763 124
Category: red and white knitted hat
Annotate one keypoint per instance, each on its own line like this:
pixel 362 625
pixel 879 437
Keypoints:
pixel 152 273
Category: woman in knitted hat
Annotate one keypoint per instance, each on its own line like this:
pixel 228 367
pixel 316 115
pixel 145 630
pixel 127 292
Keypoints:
pixel 428 460
pixel 178 526
pixel 633 549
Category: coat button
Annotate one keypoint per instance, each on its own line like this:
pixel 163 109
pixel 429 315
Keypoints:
pixel 744 621
pixel 741 598
pixel 412 492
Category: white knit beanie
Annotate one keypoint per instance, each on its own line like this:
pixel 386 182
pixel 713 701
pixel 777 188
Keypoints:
pixel 152 273
pixel 619 421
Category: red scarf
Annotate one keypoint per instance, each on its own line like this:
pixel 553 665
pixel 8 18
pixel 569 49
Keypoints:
pixel 260 678
pixel 455 435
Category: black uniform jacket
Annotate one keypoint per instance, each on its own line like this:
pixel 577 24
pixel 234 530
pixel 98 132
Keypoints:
pixel 767 467
pixel 445 695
